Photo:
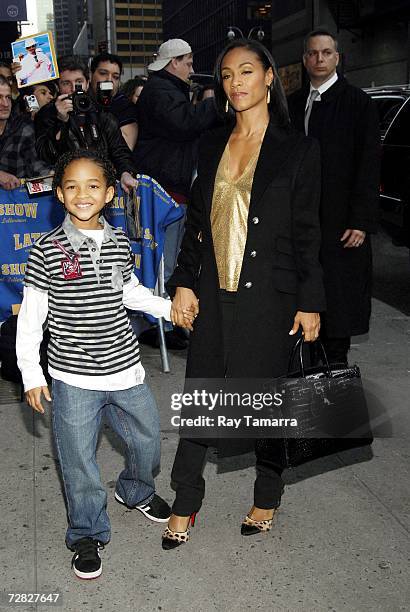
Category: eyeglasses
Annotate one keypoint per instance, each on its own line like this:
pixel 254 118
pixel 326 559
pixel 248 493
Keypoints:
pixel 31 47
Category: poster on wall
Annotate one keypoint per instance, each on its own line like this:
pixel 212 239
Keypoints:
pixel 291 77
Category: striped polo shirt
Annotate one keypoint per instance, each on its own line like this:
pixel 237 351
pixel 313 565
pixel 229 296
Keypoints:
pixel 89 327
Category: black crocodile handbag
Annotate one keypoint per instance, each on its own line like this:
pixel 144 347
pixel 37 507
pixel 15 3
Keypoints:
pixel 329 404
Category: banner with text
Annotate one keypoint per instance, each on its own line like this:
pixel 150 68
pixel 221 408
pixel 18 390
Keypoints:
pixel 24 219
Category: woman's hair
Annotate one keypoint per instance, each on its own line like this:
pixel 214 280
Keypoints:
pixel 131 85
pixel 30 89
pixel 278 106
pixel 94 156
pixel 51 86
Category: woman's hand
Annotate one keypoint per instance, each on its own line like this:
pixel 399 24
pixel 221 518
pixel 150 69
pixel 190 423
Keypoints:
pixel 185 308
pixel 310 322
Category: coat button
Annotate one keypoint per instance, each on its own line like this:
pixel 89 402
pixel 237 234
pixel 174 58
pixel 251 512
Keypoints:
pixel 255 220
pixel 248 285
pixel 253 253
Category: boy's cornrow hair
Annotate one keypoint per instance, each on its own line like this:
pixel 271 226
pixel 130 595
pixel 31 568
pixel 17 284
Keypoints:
pixel 66 159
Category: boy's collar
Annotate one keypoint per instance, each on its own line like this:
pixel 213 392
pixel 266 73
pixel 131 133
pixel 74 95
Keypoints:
pixel 77 238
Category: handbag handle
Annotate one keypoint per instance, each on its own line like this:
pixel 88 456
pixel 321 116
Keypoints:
pixel 299 347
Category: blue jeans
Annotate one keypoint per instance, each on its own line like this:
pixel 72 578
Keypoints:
pixel 77 415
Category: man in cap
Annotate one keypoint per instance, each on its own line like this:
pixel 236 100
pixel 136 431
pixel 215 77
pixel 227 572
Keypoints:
pixel 35 65
pixel 169 127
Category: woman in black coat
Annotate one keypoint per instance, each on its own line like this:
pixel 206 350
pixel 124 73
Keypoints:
pixel 248 268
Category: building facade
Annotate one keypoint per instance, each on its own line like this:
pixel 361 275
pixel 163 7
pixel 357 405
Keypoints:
pixel 45 16
pixel 205 25
pixel 135 33
pixel 69 18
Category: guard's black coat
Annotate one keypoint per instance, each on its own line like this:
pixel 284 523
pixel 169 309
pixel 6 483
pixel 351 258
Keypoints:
pixel 346 124
pixel 285 274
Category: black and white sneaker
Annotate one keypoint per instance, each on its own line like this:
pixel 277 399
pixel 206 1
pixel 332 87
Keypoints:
pixel 86 562
pixel 156 510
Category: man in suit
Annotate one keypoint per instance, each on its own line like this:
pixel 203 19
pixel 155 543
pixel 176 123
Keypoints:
pixel 344 120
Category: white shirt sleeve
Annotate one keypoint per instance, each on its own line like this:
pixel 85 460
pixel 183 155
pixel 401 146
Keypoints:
pixel 32 315
pixel 28 66
pixel 137 297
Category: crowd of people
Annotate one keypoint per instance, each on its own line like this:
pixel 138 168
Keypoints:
pixel 281 198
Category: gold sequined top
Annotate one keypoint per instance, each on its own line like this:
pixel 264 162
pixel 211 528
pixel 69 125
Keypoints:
pixel 229 219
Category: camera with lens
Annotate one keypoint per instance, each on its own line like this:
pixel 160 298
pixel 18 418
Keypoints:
pixel 82 103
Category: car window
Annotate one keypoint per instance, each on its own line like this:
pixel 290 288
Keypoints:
pixel 388 107
pixel 399 131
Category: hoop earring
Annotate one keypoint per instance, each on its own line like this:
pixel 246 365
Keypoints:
pixel 227 105
pixel 268 95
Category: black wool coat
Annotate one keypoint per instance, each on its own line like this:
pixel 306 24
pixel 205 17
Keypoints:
pixel 169 127
pixel 280 272
pixel 346 124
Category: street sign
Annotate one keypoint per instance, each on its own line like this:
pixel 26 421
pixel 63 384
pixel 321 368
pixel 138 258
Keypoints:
pixel 13 10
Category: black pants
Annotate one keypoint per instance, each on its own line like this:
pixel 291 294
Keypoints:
pixel 336 348
pixel 191 455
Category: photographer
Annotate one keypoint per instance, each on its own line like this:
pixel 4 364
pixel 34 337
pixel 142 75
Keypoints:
pixel 75 121
pixel 106 70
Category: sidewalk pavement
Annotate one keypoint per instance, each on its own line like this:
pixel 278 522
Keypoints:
pixel 340 542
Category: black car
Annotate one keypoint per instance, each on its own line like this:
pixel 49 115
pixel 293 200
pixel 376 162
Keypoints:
pixel 393 103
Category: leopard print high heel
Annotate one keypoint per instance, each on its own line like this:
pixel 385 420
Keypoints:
pixel 172 539
pixel 250 526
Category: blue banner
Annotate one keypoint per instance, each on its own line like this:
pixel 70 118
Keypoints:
pixel 23 220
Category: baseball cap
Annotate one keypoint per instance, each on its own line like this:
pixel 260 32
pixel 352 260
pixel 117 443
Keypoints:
pixel 30 42
pixel 167 51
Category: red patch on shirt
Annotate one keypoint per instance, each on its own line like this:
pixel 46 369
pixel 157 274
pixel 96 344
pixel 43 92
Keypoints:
pixel 71 268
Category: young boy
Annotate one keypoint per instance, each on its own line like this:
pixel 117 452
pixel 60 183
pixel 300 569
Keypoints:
pixel 80 278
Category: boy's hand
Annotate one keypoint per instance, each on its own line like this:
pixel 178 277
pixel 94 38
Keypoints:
pixel 33 398
pixel 185 307
pixel 186 322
